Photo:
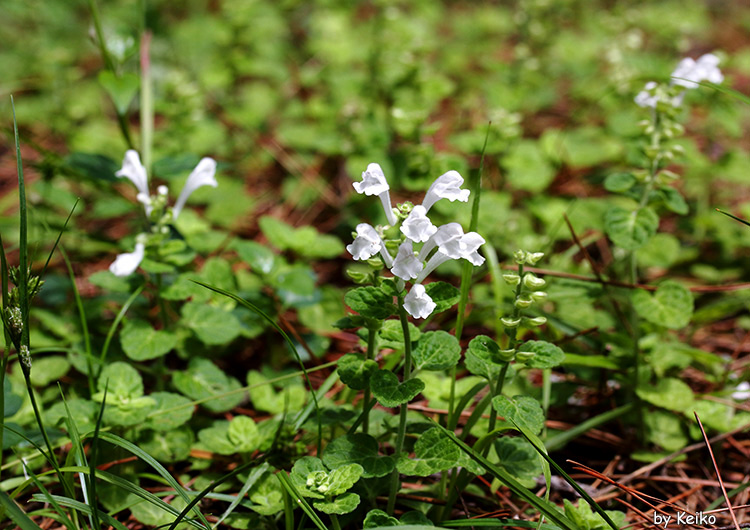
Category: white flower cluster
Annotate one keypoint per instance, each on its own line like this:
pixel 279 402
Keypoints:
pixel 132 169
pixel 688 74
pixel 450 240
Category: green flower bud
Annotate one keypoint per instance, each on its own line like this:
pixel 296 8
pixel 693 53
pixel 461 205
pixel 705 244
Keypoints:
pixel 532 258
pixel 510 322
pixel 532 282
pixel 502 356
pixel 512 279
pixel 523 301
pixel 520 256
pixel 536 321
pixel 524 356
pixel 538 295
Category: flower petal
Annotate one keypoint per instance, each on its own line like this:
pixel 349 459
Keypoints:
pixel 366 244
pixel 202 175
pixel 134 170
pixel 418 226
pixel 126 264
pixel 406 265
pixel 418 303
pixel 373 181
pixel 446 186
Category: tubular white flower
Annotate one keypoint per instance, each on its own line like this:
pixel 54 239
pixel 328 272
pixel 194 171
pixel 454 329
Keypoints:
pixel 406 265
pixel 443 235
pixel 418 226
pixel 446 186
pixel 134 170
pixel 202 175
pixel 690 72
pixel 646 98
pixel 418 303
pixel 452 244
pixel 367 244
pixel 126 264
pixel 374 183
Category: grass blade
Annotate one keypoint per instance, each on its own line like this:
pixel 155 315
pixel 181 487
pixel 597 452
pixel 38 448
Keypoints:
pixel 81 507
pixel 292 347
pixel 64 519
pixel 741 220
pixel 558 441
pixel 16 514
pixel 249 483
pixel 301 502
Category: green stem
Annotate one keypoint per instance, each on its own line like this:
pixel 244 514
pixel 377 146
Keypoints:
pixel 335 522
pixel 372 338
pixel 147 104
pixel 401 434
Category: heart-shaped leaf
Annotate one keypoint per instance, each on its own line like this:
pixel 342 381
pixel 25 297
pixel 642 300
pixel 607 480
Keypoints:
pixel 122 89
pixel 141 342
pixel 524 410
pixel 434 452
pixel 370 302
pixel 671 306
pixel 355 371
pixel 443 294
pixel 359 449
pixel 340 505
pixel 668 393
pixel 547 355
pixel 389 392
pixel 479 357
pixel 630 229
pixel 437 350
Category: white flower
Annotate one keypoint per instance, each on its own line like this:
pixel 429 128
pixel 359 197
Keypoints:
pixel 126 264
pixel 742 392
pixel 134 170
pixel 418 226
pixel 690 72
pixel 202 175
pixel 452 244
pixel 446 186
pixel 367 244
pixel 374 183
pixel 406 265
pixel 646 97
pixel 418 303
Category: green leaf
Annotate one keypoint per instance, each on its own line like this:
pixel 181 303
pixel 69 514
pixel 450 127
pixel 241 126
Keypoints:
pixel 355 371
pixel 443 294
pixel 168 446
pixel 547 354
pixel 665 429
pixel 260 258
pixel 583 517
pixel 668 393
pixel 122 89
pixel 479 357
pixel 305 241
pixel 519 458
pixel 391 334
pixel 527 167
pixel 670 306
pixel 524 410
pixel 389 392
pixel 340 505
pixel 172 411
pixel 673 200
pixel 203 379
pixel 437 350
pixel 341 479
pixel 266 398
pixel 12 510
pixel 49 369
pixel 121 380
pixel 141 342
pixel 216 438
pixel 267 495
pixel 619 182
pixel 12 402
pixel 295 285
pixel 212 325
pixel 434 452
pixel 359 449
pixel 630 229
pixel 370 302
pixel 378 518
pixel 243 433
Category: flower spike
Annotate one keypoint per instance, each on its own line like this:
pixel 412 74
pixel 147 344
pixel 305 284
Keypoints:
pixel 202 175
pixel 446 186
pixel 418 303
pixel 126 264
pixel 374 183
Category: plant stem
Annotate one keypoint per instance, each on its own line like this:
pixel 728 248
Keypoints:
pixel 372 338
pixel 401 434
pixel 147 103
pixel 335 522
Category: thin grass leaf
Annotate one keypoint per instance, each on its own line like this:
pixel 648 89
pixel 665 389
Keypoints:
pixel 143 455
pixel 83 320
pixel 743 221
pixel 304 414
pixel 464 402
pixel 16 514
pixel 489 522
pixel 249 483
pixel 725 90
pixel 95 449
pixel 207 490
pixel 64 519
pixel 23 258
pixel 540 449
pixel 541 505
pixel 80 458
pixel 292 347
pixel 6 334
pixel 297 498
pixel 81 507
pixel 558 441
pixel 59 236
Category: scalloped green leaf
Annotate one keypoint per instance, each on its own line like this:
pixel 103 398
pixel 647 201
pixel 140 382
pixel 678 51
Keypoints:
pixel 370 302
pixel 359 449
pixel 203 379
pixel 390 392
pixel 355 371
pixel 668 393
pixel 630 229
pixel 479 357
pixel 547 355
pixel 524 410
pixel 433 452
pixel 670 306
pixel 437 350
pixel 340 505
pixel 443 294
pixel 141 342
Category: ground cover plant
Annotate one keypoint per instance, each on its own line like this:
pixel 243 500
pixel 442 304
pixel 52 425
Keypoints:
pixel 379 264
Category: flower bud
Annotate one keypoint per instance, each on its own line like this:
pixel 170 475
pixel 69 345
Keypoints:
pixel 537 296
pixel 502 356
pixel 512 279
pixel 532 282
pixel 533 257
pixel 524 356
pixel 520 256
pixel 510 322
pixel 523 301
pixel 536 321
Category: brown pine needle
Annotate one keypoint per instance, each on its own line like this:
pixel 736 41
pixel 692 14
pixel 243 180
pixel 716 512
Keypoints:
pixel 718 475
